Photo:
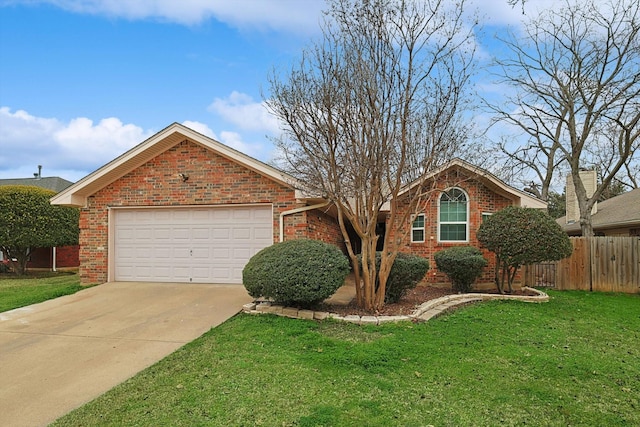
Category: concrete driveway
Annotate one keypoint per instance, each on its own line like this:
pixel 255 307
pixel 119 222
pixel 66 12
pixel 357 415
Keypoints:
pixel 62 353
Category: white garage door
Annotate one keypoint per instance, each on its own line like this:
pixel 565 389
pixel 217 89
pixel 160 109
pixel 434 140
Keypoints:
pixel 200 245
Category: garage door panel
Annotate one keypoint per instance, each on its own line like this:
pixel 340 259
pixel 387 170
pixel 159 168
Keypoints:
pixel 239 233
pixel 200 216
pixel 181 233
pixel 162 254
pixel 163 233
pixel 200 274
pixel 201 253
pixel 201 233
pixel 162 270
pixel 144 273
pixel 221 215
pixel 242 253
pixel 221 274
pixel 181 253
pixel 221 254
pixel 219 233
pixel 206 245
pixel 127 253
pixel 181 215
pixel 160 215
pixel 262 233
pixel 242 214
pixel 127 272
pixel 236 274
pixel 183 271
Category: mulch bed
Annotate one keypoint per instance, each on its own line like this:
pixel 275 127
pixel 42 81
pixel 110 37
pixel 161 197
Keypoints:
pixel 407 304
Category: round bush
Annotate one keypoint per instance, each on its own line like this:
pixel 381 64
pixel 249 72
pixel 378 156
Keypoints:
pixel 296 272
pixel 463 265
pixel 407 271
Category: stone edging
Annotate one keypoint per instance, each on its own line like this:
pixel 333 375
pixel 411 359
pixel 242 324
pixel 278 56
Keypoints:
pixel 424 312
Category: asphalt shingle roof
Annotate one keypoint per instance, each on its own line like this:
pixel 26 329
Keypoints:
pixel 622 210
pixel 54 183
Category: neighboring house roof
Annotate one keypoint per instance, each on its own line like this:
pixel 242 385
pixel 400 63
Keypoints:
pixel 54 183
pixel 76 195
pixel 616 212
pixel 494 183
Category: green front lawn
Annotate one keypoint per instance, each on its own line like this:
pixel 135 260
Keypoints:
pixel 572 361
pixel 18 292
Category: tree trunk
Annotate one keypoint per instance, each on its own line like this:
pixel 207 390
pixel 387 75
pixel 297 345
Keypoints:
pixel 512 276
pixel 21 256
pixel 499 279
pixel 357 274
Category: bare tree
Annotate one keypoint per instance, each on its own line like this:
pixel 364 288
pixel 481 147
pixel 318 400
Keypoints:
pixel 375 105
pixel 576 73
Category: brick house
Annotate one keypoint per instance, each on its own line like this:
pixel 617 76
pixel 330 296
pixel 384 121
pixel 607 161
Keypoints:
pixel 182 207
pixel 462 196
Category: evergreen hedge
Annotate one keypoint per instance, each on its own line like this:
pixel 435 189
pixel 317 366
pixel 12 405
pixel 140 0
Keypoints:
pixel 297 272
pixel 463 265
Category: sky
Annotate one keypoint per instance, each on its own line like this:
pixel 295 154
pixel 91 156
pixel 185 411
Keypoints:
pixel 83 81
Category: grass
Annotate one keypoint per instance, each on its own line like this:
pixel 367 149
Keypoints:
pixel 18 292
pixel 572 361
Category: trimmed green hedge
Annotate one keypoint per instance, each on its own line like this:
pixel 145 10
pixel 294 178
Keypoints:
pixel 520 236
pixel 463 265
pixel 296 272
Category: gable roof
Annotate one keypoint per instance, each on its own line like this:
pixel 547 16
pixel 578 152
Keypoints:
pixel 619 211
pixel 491 181
pixel 53 183
pixel 76 195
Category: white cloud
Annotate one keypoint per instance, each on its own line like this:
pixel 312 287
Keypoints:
pixel 233 140
pixel 69 150
pixel 302 16
pixel 200 128
pixel 241 110
pixel 290 15
pixel 74 149
pixel 103 139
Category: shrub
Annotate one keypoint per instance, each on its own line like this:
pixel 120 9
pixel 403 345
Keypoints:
pixel 29 221
pixel 520 236
pixel 296 272
pixel 463 265
pixel 407 271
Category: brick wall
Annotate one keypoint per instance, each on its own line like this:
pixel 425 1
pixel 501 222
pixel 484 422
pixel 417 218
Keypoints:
pixel 66 256
pixel 481 200
pixel 212 180
pixel 322 226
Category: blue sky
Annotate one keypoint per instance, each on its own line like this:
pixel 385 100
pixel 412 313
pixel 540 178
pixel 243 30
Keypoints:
pixel 82 81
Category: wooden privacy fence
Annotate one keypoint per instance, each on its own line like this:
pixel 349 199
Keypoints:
pixel 605 264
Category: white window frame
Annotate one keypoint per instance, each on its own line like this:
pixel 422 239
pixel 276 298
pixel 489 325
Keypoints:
pixel 414 228
pixel 466 222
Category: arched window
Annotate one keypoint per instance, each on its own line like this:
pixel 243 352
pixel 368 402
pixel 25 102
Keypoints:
pixel 453 216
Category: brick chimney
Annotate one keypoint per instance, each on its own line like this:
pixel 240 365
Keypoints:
pixel 590 182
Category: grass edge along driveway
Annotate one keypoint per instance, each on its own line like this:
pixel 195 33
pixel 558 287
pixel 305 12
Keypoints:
pixel 16 292
pixel 572 361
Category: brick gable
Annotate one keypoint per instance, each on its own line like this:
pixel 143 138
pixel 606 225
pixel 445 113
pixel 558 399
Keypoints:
pixel 481 200
pixel 212 180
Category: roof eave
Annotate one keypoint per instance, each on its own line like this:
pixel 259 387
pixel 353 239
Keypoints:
pixel 520 197
pixel 77 194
